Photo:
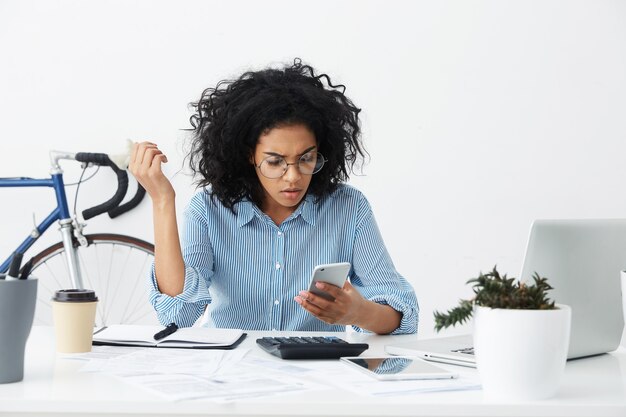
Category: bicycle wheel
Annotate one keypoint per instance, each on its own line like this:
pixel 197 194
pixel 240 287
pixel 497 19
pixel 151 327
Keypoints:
pixel 116 267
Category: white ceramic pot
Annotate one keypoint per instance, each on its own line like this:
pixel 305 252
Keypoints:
pixel 521 354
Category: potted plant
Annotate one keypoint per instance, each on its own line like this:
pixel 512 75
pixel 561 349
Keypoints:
pixel 521 337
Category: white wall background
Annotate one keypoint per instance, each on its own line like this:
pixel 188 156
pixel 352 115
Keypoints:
pixel 479 116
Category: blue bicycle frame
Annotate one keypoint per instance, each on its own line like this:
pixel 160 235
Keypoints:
pixel 60 213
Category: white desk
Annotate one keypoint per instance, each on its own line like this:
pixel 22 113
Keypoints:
pixel 52 385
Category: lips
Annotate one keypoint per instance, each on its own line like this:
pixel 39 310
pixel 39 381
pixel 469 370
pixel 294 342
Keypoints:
pixel 291 193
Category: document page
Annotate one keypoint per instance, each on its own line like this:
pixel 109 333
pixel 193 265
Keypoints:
pixel 213 375
pixel 234 375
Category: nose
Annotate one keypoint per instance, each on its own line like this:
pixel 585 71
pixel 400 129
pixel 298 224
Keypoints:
pixel 292 174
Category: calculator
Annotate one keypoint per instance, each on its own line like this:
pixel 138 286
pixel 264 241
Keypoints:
pixel 320 347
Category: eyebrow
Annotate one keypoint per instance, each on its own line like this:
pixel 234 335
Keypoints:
pixel 282 156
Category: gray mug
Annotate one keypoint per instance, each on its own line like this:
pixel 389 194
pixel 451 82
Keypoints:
pixel 17 309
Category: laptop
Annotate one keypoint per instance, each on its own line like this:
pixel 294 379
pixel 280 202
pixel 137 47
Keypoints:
pixel 582 260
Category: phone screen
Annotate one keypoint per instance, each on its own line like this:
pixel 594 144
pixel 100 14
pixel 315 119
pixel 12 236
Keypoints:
pixel 400 367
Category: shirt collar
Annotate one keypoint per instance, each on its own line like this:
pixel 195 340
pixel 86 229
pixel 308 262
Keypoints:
pixel 307 210
pixel 246 210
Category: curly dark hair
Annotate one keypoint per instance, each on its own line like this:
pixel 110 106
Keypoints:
pixel 230 118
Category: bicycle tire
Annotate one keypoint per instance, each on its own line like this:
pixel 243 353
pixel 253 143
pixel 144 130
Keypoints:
pixel 115 266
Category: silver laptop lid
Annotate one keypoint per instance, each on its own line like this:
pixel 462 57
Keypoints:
pixel 582 260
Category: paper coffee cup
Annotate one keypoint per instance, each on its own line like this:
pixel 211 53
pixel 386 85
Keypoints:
pixel 74 313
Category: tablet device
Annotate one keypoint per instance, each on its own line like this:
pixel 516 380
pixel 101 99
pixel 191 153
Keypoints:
pixel 398 367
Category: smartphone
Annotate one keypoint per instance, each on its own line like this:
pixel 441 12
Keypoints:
pixel 398 367
pixel 335 274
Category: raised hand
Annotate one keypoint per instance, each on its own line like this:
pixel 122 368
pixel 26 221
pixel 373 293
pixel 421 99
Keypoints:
pixel 169 267
pixel 145 164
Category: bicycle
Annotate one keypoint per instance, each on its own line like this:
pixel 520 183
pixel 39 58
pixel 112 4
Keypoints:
pixel 103 262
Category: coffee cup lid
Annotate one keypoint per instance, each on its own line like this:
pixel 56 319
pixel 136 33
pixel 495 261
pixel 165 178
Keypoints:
pixel 75 295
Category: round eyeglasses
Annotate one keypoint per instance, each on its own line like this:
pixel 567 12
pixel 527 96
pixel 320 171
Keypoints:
pixel 275 166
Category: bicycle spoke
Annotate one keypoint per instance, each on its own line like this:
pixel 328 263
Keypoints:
pixel 139 318
pixel 115 276
pixel 124 317
pixel 109 296
pixel 84 271
pixel 110 299
pixel 102 296
pixel 54 277
pixel 139 301
pixel 49 275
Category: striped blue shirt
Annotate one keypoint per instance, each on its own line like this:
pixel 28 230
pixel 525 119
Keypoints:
pixel 248 270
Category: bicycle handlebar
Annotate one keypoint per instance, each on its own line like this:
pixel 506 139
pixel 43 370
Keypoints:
pixel 112 206
pixel 130 204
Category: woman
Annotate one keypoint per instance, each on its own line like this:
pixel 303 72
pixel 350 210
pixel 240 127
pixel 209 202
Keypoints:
pixel 272 150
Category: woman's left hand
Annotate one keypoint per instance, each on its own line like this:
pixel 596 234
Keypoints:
pixel 347 308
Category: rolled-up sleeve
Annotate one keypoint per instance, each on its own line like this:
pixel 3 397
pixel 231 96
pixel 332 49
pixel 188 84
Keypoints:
pixel 185 308
pixel 375 276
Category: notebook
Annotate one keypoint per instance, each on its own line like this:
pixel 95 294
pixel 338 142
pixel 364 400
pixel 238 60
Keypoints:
pixel 187 337
pixel 582 260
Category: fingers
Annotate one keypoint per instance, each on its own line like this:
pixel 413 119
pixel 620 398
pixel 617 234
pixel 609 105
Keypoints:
pixel 307 305
pixel 146 159
pixel 333 290
pixel 150 156
pixel 315 300
pixel 345 308
pixel 138 151
pixel 157 160
pixel 315 310
pixel 329 311
pixel 145 165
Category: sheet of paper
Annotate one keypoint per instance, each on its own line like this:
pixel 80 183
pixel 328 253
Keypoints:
pixel 100 353
pixel 229 375
pixel 228 387
pixel 213 375
pixel 147 361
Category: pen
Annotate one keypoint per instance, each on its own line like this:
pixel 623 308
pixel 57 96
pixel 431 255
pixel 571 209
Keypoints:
pixel 14 269
pixel 171 328
pixel 26 270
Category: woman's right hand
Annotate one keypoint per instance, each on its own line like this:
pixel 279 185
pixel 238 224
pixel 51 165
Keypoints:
pixel 169 267
pixel 145 164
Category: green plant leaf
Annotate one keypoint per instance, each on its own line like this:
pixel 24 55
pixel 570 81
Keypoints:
pixel 496 291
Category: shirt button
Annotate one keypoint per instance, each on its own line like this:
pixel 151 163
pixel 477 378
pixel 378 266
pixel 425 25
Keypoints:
pixel 280 233
pixel 276 302
pixel 273 329
pixel 277 265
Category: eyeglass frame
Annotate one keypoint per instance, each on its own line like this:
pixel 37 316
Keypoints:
pixel 287 164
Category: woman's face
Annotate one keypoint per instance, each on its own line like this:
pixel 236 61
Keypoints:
pixel 290 142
